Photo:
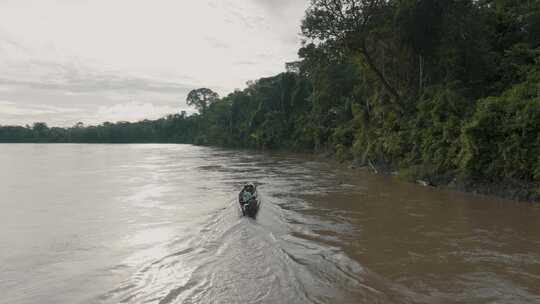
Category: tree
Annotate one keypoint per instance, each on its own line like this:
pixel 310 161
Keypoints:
pixel 201 99
pixel 41 130
pixel 350 26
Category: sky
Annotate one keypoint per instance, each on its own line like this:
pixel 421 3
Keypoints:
pixel 65 61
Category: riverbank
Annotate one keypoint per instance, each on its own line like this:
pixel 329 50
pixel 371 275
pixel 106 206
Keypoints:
pixel 512 189
pixel 509 188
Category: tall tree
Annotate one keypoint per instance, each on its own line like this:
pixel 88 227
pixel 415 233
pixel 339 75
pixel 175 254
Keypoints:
pixel 201 99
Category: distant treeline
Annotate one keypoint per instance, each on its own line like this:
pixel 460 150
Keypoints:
pixel 170 129
pixel 441 90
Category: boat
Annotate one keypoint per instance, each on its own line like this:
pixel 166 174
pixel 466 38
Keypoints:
pixel 249 200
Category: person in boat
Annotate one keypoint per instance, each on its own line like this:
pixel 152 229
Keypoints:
pixel 247 193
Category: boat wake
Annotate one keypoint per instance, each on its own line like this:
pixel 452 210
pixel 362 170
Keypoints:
pixel 235 259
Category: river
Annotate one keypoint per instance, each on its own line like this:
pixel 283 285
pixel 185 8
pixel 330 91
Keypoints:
pixel 160 224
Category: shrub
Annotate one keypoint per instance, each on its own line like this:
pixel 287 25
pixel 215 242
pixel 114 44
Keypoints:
pixel 503 138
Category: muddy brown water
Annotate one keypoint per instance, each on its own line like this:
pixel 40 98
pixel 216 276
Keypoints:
pixel 160 224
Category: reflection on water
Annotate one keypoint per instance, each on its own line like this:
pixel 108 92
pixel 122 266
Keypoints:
pixel 160 224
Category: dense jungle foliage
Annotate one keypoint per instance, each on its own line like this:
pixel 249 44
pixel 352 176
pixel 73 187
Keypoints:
pixel 440 90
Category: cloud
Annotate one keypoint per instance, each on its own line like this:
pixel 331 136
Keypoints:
pixel 6 88
pixel 246 62
pixel 62 94
pixel 217 43
pixel 16 114
pixel 13 109
pixel 280 6
pixel 131 111
pixel 13 113
pixel 286 16
pixel 79 55
pixel 76 78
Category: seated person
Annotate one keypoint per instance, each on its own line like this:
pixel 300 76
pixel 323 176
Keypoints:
pixel 247 193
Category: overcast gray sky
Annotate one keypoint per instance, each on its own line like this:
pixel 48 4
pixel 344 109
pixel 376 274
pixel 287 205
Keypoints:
pixel 64 61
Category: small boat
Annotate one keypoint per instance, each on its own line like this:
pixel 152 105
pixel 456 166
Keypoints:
pixel 249 200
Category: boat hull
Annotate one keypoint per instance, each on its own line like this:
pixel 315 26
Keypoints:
pixel 251 208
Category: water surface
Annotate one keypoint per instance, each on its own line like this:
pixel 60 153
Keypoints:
pixel 160 224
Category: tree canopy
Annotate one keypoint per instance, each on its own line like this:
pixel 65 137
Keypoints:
pixel 201 99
